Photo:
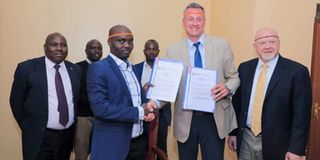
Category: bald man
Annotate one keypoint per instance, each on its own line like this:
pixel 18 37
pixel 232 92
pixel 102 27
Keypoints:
pixel 283 125
pixel 44 95
pixel 118 103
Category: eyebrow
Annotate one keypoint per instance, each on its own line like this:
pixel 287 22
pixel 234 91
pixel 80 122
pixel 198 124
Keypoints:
pixel 266 37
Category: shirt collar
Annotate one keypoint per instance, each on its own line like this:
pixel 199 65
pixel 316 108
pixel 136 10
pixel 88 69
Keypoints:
pixel 122 64
pixel 201 40
pixel 145 64
pixel 88 61
pixel 51 64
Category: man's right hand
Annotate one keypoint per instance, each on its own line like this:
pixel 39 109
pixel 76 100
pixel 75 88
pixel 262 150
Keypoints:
pixel 232 143
pixel 149 110
pixel 147 86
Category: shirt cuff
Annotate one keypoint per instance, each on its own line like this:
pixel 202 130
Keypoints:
pixel 141 113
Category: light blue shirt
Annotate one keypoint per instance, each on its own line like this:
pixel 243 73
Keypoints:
pixel 192 50
pixel 135 92
pixel 271 65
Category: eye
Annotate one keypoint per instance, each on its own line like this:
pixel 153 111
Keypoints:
pixel 130 41
pixel 120 41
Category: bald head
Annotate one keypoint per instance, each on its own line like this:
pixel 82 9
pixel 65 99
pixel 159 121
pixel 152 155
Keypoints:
pixel 54 35
pixel 119 30
pixel 120 41
pixel 265 33
pixel 94 50
pixel 55 47
pixel 266 44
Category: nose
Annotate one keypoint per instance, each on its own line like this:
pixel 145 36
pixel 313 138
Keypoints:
pixel 59 47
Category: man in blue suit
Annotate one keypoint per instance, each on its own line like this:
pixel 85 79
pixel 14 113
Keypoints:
pixel 118 103
pixel 45 114
pixel 151 51
pixel 284 112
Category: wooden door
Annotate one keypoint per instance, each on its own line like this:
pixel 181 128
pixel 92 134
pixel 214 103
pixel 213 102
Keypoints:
pixel 313 149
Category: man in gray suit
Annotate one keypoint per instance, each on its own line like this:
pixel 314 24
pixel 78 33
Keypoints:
pixel 192 128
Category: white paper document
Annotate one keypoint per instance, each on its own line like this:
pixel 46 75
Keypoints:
pixel 165 76
pixel 197 90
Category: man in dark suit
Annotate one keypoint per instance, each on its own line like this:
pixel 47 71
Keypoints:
pixel 118 103
pixel 43 100
pixel 85 116
pixel 277 128
pixel 151 51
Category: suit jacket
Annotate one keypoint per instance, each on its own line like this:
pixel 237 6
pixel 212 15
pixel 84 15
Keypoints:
pixel 84 109
pixel 29 101
pixel 114 113
pixel 286 107
pixel 166 109
pixel 219 57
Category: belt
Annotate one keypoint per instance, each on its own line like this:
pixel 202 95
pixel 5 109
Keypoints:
pixel 200 113
pixel 59 130
pixel 248 128
pixel 137 139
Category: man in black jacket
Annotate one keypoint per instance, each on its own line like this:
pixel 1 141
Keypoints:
pixel 85 115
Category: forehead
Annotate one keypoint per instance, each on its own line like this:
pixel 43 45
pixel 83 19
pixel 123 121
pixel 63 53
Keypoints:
pixel 266 33
pixel 56 38
pixel 125 37
pixel 194 12
pixel 94 43
pixel 151 45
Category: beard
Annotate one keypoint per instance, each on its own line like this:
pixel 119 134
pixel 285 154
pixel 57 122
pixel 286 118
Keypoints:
pixel 268 57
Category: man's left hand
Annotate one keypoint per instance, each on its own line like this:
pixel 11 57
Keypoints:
pixel 219 91
pixel 292 156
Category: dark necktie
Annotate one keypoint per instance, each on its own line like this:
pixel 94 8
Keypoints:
pixel 62 99
pixel 197 56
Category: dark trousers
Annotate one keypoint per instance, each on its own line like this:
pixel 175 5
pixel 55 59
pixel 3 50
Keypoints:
pixel 57 144
pixel 203 131
pixel 162 134
pixel 138 148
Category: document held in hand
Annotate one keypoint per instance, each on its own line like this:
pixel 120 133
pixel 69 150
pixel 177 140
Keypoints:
pixel 165 76
pixel 197 90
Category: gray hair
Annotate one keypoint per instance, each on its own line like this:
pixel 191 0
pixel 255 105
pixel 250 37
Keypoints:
pixel 194 6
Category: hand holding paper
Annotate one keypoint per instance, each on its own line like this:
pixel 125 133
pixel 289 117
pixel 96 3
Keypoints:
pixel 219 91
pixel 165 77
pixel 198 92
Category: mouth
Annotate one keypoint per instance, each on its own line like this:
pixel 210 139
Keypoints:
pixel 59 55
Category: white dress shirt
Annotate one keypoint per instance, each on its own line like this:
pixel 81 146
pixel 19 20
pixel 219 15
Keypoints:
pixel 53 115
pixel 146 73
pixel 135 92
pixel 192 50
pixel 270 68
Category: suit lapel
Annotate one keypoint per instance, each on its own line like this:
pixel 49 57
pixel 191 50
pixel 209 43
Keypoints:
pixel 184 54
pixel 73 76
pixel 276 76
pixel 208 52
pixel 41 72
pixel 119 75
pixel 249 79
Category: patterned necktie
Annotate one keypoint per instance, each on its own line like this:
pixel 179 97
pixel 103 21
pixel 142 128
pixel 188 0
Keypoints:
pixel 62 99
pixel 258 101
pixel 197 56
